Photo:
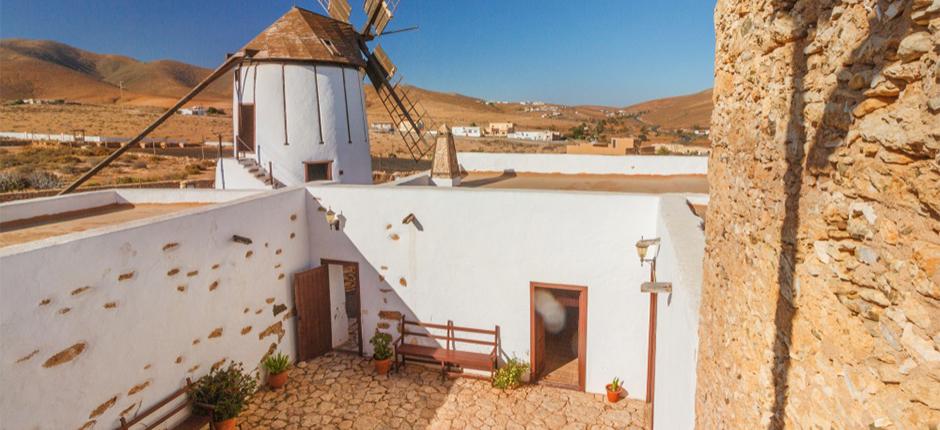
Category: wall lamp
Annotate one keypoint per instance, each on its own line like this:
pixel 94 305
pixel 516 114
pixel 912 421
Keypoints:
pixel 642 249
pixel 332 220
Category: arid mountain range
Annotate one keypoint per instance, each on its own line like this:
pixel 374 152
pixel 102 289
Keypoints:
pixel 53 70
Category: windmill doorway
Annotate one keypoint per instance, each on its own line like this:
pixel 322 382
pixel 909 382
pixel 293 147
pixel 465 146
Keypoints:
pixel 558 315
pixel 345 300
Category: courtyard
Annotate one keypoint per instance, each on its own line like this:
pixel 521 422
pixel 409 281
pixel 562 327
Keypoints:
pixel 342 391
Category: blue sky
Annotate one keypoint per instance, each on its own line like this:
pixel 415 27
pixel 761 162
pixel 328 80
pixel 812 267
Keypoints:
pixel 611 52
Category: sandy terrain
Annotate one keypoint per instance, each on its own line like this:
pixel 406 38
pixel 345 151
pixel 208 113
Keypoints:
pixel 614 183
pixel 70 222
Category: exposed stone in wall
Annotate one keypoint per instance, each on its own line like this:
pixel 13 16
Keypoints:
pixel 125 276
pixel 138 388
pixel 216 333
pixel 66 355
pixel 276 328
pixel 103 407
pixel 821 297
pixel 80 290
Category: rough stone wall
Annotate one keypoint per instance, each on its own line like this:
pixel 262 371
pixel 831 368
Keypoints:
pixel 821 300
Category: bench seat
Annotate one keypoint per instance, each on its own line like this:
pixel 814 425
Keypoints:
pixel 448 356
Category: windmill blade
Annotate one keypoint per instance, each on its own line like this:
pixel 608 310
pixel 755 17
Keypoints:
pixel 339 10
pixel 385 62
pixel 379 13
pixel 403 108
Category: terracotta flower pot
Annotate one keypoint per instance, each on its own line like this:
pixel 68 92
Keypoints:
pixel 277 380
pixel 613 396
pixel 382 366
pixel 228 424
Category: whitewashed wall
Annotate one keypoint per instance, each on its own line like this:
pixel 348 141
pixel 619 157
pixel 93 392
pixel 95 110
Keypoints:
pixel 679 262
pixel 480 249
pixel 138 329
pixel 662 165
pixel 341 96
pixel 236 176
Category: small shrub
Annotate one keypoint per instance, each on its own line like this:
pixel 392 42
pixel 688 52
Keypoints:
pixel 227 390
pixel 193 169
pixel 381 343
pixel 140 164
pixel 277 363
pixel 509 376
pixel 41 180
pixel 12 182
pixel 615 385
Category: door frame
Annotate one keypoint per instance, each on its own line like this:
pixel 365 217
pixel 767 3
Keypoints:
pixel 329 170
pixel 327 262
pixel 582 331
pixel 254 126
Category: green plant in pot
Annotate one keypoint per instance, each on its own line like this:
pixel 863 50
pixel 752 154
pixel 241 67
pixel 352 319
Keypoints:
pixel 223 394
pixel 509 375
pixel 276 365
pixel 382 347
pixel 614 390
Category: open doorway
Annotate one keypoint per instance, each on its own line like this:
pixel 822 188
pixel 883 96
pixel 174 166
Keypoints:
pixel 345 299
pixel 558 315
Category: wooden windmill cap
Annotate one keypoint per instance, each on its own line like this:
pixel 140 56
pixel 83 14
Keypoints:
pixel 301 35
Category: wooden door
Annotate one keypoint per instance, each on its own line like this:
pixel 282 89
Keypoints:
pixel 246 127
pixel 538 349
pixel 312 299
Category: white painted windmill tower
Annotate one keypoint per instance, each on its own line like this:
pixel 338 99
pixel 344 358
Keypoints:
pixel 299 110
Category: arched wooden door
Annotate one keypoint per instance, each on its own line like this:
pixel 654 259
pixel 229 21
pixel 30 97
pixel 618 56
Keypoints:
pixel 312 299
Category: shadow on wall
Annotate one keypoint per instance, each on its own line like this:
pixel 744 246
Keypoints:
pixel 807 153
pixel 389 305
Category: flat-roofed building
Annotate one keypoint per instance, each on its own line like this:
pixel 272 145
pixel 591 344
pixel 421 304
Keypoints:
pixel 617 146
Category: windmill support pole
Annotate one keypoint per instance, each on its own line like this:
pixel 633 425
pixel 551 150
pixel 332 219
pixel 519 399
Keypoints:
pixel 221 70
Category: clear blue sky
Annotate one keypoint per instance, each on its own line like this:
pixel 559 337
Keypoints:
pixel 612 52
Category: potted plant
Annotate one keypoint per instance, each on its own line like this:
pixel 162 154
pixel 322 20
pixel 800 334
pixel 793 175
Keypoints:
pixel 276 366
pixel 382 347
pixel 223 394
pixel 509 375
pixel 614 390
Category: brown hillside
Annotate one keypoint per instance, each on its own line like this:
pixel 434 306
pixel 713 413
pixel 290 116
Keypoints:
pixel 47 69
pixel 677 112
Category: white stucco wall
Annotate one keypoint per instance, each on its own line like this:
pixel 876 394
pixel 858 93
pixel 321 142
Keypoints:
pixel 341 97
pixel 480 249
pixel 679 262
pixel 575 164
pixel 135 329
pixel 237 177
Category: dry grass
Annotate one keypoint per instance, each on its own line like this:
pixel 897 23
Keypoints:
pixel 66 164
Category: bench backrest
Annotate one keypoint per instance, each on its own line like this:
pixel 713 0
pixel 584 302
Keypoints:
pixel 450 336
pixel 153 409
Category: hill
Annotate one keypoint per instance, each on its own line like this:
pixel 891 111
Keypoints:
pixel 689 111
pixel 48 69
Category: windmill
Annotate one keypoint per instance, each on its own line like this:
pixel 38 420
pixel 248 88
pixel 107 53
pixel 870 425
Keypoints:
pixel 402 106
pixel 299 108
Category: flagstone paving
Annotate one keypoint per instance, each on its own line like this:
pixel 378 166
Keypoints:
pixel 342 391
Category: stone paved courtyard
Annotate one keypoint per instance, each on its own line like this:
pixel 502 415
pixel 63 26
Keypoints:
pixel 342 391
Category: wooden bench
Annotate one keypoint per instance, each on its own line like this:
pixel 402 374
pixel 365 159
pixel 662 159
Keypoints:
pixel 448 355
pixel 193 422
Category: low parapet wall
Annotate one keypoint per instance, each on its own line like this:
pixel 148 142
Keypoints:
pixel 571 164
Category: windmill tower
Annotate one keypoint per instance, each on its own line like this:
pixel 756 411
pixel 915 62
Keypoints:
pixel 299 111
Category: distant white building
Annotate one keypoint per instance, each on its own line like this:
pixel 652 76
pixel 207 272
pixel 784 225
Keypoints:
pixel 467 131
pixel 382 127
pixel 539 135
pixel 195 110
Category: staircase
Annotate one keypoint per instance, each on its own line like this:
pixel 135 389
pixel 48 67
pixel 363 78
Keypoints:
pixel 260 172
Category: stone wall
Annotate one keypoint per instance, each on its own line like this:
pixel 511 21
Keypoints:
pixel 821 301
